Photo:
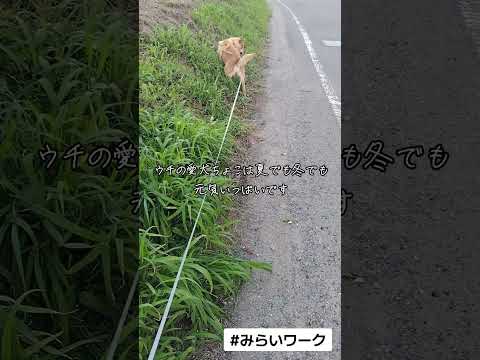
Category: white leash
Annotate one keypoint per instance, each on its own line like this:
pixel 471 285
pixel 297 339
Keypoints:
pixel 153 350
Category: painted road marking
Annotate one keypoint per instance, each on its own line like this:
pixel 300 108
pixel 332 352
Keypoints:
pixel 332 43
pixel 335 103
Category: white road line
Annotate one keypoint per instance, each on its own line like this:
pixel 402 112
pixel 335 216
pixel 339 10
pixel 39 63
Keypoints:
pixel 332 43
pixel 327 88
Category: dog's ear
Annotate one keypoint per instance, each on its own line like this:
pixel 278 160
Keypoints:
pixel 242 43
pixel 220 48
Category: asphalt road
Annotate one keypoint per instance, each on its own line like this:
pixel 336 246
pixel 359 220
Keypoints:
pixel 299 233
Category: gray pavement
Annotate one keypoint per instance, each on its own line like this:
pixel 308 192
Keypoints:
pixel 299 233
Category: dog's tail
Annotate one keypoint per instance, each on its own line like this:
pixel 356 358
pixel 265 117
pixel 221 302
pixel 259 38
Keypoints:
pixel 245 59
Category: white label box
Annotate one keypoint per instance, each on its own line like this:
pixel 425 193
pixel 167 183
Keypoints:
pixel 277 339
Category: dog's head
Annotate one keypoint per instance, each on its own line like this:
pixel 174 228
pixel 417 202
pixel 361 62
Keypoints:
pixel 239 44
pixel 235 42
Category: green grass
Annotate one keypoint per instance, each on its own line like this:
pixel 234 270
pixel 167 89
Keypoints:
pixel 185 101
pixel 67 237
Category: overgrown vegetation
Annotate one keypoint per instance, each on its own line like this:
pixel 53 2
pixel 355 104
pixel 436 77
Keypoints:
pixel 68 237
pixel 185 102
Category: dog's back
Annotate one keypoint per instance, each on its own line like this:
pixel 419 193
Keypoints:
pixel 230 51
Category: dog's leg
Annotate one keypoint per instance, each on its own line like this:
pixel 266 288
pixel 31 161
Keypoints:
pixel 241 69
pixel 241 74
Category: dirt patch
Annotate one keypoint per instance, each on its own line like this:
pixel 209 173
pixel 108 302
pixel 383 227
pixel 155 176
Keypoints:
pixel 154 13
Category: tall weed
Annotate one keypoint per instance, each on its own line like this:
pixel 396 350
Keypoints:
pixel 185 101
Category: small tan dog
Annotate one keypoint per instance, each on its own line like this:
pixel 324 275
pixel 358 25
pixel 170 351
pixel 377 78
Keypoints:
pixel 231 52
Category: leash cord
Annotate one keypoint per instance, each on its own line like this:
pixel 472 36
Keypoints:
pixel 158 335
